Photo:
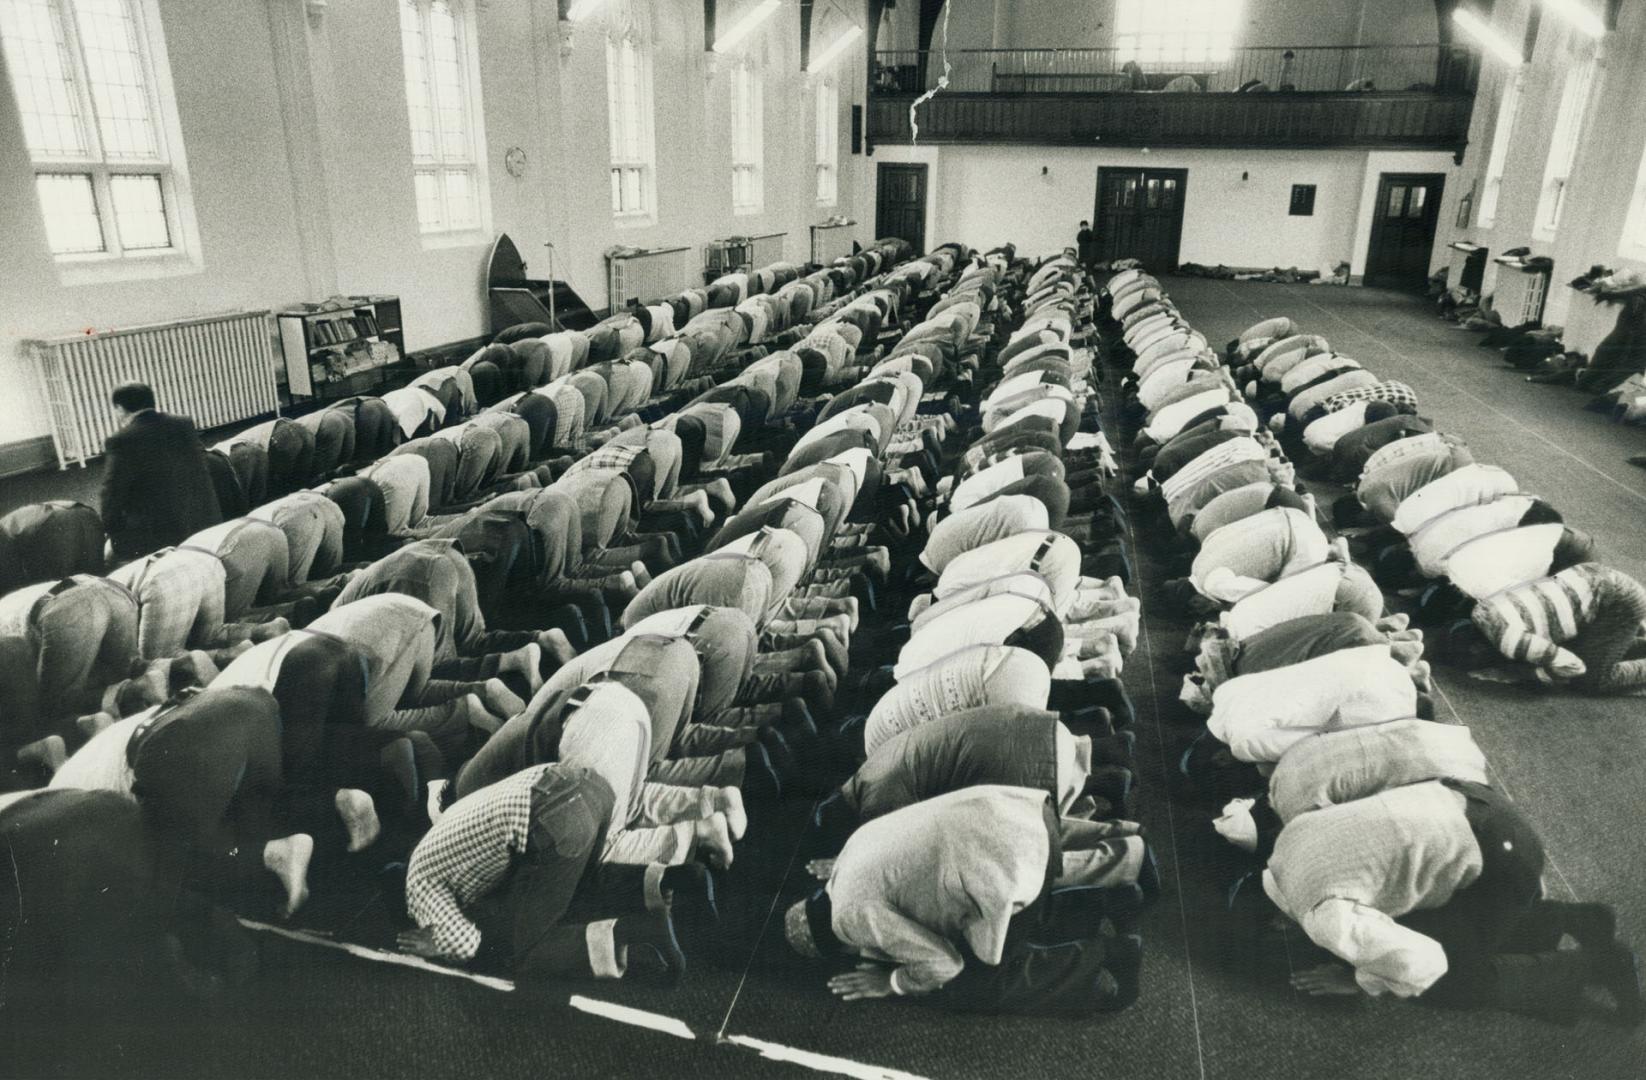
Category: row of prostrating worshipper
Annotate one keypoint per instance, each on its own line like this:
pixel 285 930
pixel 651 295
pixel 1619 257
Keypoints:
pixel 1375 828
pixel 983 856
pixel 316 683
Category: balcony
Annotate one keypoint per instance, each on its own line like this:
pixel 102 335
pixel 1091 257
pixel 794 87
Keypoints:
pixel 1392 97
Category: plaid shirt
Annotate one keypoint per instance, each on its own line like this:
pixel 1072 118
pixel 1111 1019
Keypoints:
pixel 180 600
pixel 466 855
pixel 1395 393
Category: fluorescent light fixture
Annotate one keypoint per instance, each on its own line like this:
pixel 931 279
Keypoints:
pixel 1578 14
pixel 836 47
pixel 746 25
pixel 582 9
pixel 1481 31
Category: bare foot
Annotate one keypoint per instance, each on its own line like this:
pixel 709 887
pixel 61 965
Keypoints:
pixel 557 647
pixel 271 629
pixel 624 586
pixel 288 859
pixel 714 840
pixel 729 801
pixel 821 869
pixel 642 576
pixel 1407 652
pixel 500 700
pixel 92 723
pixel 474 711
pixel 359 818
pixel 50 753
pixel 527 661
pixel 720 490
pixel 1420 676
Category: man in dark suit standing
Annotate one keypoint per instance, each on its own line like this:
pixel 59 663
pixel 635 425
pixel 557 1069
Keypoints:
pixel 157 489
pixel 1086 245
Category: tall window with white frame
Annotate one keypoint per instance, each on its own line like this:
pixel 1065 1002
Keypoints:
pixel 1179 35
pixel 99 120
pixel 1633 244
pixel 1508 110
pixel 442 104
pixel 1557 174
pixel 629 107
pixel 828 142
pixel 748 181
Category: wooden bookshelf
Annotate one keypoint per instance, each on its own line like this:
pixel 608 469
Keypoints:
pixel 340 348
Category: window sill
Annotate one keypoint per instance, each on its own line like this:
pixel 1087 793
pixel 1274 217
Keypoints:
pixel 747 211
pixel 111 269
pixel 441 241
pixel 633 221
pixel 830 203
pixel 1544 233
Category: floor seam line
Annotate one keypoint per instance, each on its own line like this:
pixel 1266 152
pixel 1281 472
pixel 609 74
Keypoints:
pixel 1171 816
pixel 765 925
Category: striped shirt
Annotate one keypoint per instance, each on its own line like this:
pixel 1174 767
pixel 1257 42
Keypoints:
pixel 1528 622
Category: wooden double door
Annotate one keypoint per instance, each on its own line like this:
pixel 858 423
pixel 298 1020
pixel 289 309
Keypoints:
pixel 900 203
pixel 1139 215
pixel 1403 229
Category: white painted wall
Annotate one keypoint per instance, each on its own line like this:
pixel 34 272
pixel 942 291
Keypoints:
pixel 220 56
pixel 1604 176
pixel 1236 209
pixel 299 155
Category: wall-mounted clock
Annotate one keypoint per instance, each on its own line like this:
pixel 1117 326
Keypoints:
pixel 515 162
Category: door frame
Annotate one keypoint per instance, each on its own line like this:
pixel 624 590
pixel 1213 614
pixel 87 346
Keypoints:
pixel 924 168
pixel 1181 175
pixel 1431 214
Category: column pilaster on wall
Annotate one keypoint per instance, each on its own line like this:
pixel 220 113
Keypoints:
pixel 303 71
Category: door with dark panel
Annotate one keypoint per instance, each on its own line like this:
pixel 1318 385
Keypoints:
pixel 1139 215
pixel 900 203
pixel 1403 229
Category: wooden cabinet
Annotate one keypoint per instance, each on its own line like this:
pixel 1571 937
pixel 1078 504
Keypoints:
pixel 341 347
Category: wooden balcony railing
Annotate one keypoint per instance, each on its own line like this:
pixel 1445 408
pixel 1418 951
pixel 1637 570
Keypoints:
pixel 1433 68
pixel 1402 120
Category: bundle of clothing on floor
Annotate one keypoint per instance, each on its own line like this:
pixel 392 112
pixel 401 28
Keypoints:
pixel 1369 824
pixel 983 853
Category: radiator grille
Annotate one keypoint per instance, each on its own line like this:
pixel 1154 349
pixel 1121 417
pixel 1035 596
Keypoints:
pixel 831 242
pixel 647 275
pixel 218 369
pixel 1519 295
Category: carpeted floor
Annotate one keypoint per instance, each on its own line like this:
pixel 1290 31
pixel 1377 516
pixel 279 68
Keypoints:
pixel 1213 1006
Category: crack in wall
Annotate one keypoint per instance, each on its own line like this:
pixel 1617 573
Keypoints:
pixel 942 80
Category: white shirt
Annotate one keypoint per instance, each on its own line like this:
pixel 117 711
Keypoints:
pixel 1263 714
pixel 1347 872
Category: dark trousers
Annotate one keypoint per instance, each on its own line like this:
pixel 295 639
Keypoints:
pixel 536 923
pixel 1499 935
pixel 1041 971
pixel 208 777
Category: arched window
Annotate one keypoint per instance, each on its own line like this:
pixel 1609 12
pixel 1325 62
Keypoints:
pixel 443 106
pixel 99 119
pixel 629 110
pixel 748 138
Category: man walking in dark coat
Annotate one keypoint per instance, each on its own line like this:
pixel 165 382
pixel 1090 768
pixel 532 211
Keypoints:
pixel 157 489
